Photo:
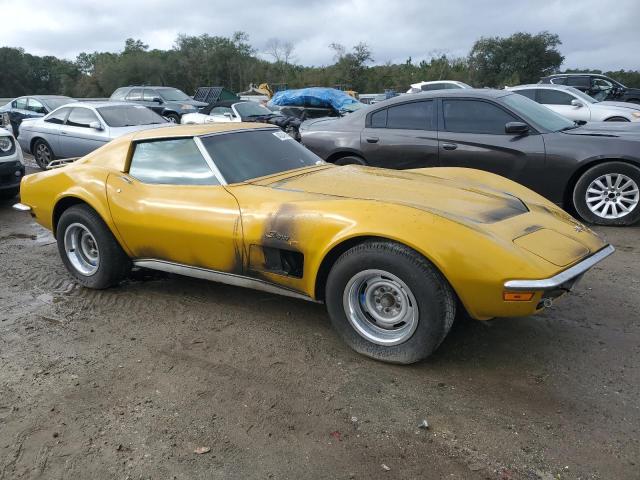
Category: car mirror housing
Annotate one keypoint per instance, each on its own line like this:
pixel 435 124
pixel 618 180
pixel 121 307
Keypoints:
pixel 517 128
pixel 96 126
pixel 576 103
pixel 157 100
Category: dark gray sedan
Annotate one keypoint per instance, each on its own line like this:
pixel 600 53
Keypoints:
pixel 593 169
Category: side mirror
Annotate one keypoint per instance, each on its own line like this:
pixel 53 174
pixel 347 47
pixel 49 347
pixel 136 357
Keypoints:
pixel 577 103
pixel 96 126
pixel 516 128
pixel 157 100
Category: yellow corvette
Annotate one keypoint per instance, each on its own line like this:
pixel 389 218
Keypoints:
pixel 393 254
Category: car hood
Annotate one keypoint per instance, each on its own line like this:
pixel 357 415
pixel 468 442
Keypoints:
pixel 628 130
pixel 626 105
pixel 441 196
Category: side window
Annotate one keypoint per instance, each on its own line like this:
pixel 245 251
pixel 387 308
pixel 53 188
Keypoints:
pixel 547 96
pixel 173 162
pixel 221 110
pixel 528 92
pixel 135 94
pixel 579 82
pixel 379 119
pixel 602 84
pixel 34 105
pixel 119 94
pixel 431 86
pixel 559 81
pixel 58 117
pixel 411 116
pixel 474 116
pixel 150 94
pixel 20 104
pixel 81 117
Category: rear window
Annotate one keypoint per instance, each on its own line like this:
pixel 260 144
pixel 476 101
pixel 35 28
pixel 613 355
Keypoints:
pixel 128 116
pixel 527 92
pixel 119 94
pixel 241 156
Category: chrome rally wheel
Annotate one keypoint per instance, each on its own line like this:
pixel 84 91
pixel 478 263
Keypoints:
pixel 380 307
pixel 81 249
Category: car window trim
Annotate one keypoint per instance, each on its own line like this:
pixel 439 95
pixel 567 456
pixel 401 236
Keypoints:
pixel 441 124
pixel 367 122
pixel 203 151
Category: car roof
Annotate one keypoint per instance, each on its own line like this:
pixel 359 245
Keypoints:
pixel 487 93
pixel 101 104
pixel 550 86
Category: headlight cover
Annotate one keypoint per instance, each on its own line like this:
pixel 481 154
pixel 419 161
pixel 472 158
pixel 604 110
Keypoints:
pixel 6 144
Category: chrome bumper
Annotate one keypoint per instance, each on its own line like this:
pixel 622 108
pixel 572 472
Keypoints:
pixel 22 207
pixel 564 277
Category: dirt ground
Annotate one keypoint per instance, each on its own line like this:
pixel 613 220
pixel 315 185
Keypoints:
pixel 128 382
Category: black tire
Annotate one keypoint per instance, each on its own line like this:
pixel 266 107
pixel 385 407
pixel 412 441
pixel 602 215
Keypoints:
pixel 42 153
pixel 9 193
pixel 113 265
pixel 173 117
pixel 617 119
pixel 435 300
pixel 350 160
pixel 580 193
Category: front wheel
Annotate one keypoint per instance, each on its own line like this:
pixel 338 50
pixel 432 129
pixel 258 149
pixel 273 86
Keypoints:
pixel 389 303
pixel 172 117
pixel 89 250
pixel 42 153
pixel 350 160
pixel 608 194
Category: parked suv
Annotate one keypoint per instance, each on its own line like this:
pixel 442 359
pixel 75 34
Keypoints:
pixel 169 102
pixel 11 165
pixel 598 86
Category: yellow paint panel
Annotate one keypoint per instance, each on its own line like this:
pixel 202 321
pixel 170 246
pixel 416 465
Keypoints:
pixel 553 247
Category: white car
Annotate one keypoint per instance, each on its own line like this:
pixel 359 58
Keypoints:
pixel 437 85
pixel 578 106
pixel 11 165
pixel 228 111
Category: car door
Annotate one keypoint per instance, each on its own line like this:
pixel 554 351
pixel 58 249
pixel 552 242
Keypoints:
pixel 35 108
pixel 560 102
pixel 148 97
pixel 472 134
pixel 77 137
pixel 49 128
pixel 401 136
pixel 170 206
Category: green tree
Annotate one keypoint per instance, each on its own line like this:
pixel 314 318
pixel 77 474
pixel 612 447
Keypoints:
pixel 520 58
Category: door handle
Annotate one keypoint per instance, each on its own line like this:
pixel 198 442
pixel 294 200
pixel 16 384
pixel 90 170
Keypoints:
pixel 372 139
pixel 62 132
pixel 449 146
pixel 126 179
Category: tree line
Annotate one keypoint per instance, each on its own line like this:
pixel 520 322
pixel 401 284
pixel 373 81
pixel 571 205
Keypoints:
pixel 206 60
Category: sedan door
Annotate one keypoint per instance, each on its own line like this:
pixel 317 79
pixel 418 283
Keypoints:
pixel 171 207
pixel 78 137
pixel 401 136
pixel 472 134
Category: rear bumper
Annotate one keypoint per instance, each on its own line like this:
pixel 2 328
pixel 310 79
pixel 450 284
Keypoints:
pixel 563 280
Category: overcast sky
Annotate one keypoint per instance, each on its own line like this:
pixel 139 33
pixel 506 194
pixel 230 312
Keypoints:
pixel 595 33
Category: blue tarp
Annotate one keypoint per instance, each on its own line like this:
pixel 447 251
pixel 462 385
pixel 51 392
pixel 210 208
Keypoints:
pixel 313 97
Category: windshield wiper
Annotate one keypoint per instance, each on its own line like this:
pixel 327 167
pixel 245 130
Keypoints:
pixel 570 127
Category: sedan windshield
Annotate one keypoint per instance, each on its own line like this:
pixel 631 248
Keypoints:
pixel 251 109
pixel 173 95
pixel 129 115
pixel 245 155
pixel 536 113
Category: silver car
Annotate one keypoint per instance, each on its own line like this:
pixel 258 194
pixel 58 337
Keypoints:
pixel 77 129
pixel 578 106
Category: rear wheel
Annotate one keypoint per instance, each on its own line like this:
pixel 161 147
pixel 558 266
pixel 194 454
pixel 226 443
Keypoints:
pixel 389 303
pixel 89 250
pixel 42 153
pixel 608 194
pixel 350 160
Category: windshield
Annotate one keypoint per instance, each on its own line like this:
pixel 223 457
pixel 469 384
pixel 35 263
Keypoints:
pixel 536 113
pixel 129 115
pixel 353 107
pixel 581 95
pixel 251 109
pixel 54 103
pixel 173 95
pixel 241 156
